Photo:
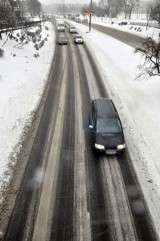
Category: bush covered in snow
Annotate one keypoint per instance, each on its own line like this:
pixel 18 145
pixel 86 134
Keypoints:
pixel 41 44
pixel 36 46
pixel 36 55
pixel 34 40
pixel 26 35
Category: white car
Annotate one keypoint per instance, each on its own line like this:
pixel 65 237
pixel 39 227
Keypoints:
pixel 60 27
pixel 78 39
pixel 72 30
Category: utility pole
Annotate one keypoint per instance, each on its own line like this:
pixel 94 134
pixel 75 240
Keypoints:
pixel 62 5
pixel 90 16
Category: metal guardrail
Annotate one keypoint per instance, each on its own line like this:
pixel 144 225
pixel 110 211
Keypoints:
pixel 7 28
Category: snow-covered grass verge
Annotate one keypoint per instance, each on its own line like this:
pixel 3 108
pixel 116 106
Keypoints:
pixel 24 72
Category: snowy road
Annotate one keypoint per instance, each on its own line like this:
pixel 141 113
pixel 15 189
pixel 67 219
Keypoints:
pixel 68 192
pixel 127 38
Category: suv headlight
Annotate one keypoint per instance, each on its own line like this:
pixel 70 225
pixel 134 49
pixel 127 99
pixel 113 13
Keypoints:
pixel 121 147
pixel 100 147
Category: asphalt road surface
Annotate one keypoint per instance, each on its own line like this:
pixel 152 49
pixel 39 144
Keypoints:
pixel 62 189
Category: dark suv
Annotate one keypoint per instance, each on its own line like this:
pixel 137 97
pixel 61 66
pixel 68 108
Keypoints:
pixel 106 127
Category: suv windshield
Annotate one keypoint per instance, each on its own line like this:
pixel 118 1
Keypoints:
pixel 108 125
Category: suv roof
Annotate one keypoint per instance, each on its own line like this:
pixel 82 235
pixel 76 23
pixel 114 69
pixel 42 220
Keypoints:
pixel 105 108
pixel 78 36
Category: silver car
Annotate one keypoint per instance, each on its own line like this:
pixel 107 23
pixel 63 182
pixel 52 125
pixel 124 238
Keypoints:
pixel 62 40
pixel 72 29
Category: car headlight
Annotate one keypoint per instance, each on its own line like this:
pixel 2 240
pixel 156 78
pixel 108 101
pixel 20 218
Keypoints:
pixel 121 146
pixel 100 147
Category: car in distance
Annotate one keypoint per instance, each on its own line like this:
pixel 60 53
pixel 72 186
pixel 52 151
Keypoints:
pixel 62 40
pixel 60 27
pixel 78 20
pixel 106 127
pixel 78 39
pixel 72 29
pixel 85 20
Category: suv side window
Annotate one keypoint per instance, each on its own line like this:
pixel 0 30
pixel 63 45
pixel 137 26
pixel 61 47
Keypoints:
pixel 93 115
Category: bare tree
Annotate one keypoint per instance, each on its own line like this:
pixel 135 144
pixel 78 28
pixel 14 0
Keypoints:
pixel 128 6
pixel 104 5
pixel 112 7
pixel 149 7
pixel 7 19
pixel 155 11
pixel 34 7
pixel 150 51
